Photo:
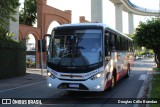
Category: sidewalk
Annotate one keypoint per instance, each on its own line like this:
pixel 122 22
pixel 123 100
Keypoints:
pixel 32 76
pixel 146 87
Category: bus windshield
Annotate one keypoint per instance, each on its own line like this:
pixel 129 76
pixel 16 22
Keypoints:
pixel 76 48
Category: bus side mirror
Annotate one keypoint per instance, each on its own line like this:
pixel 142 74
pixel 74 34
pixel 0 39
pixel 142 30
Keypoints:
pixel 43 43
pixel 48 36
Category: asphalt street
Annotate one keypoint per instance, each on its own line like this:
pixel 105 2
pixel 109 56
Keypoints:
pixel 33 85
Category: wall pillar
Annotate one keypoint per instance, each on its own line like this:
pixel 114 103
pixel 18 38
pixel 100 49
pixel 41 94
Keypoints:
pixel 41 26
pixel 82 19
pixel 13 26
pixel 130 23
pixel 40 15
pixel 119 17
pixel 96 11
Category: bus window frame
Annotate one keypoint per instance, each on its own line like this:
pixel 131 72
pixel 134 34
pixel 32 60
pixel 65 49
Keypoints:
pixel 108 45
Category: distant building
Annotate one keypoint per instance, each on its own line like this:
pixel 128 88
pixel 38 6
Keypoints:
pixel 31 52
pixel 30 46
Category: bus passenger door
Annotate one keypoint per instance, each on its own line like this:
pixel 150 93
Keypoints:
pixel 107 55
pixel 118 56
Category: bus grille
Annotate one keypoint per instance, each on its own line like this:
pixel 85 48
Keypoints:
pixel 66 86
pixel 72 79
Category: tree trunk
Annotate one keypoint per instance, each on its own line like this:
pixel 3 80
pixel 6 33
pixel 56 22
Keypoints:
pixel 157 60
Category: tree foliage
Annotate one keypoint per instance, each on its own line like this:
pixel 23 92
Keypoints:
pixel 7 8
pixel 132 36
pixel 7 11
pixel 148 35
pixel 28 14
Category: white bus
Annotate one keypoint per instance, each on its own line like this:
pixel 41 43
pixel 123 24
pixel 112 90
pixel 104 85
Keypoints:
pixel 87 57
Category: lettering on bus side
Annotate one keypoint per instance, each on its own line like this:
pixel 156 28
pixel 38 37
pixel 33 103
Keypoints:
pixel 91 73
pixel 54 72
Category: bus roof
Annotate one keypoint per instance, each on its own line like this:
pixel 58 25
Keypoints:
pixel 94 24
pixel 84 24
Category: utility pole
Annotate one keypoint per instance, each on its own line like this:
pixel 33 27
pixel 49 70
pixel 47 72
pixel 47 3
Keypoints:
pixel 41 57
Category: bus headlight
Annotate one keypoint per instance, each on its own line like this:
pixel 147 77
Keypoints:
pixel 51 75
pixel 96 76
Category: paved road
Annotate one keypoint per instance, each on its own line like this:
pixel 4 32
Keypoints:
pixel 34 86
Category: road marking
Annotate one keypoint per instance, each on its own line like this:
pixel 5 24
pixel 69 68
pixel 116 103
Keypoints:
pixel 22 86
pixel 142 77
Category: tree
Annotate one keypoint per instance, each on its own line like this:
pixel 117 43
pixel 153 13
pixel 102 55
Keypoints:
pixel 28 14
pixel 7 11
pixel 148 35
pixel 132 36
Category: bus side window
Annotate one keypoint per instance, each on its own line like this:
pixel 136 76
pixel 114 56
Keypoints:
pixel 108 45
pixel 118 42
pixel 110 41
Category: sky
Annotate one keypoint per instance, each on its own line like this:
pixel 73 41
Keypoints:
pixel 83 8
pixel 151 4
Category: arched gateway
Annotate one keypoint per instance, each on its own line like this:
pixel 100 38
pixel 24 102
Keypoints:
pixel 46 15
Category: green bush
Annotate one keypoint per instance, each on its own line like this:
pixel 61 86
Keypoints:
pixel 155 90
pixel 12 58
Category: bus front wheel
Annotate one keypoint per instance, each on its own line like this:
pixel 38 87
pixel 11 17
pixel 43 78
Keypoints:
pixel 113 82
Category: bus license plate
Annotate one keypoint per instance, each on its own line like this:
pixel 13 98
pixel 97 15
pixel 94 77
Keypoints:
pixel 74 85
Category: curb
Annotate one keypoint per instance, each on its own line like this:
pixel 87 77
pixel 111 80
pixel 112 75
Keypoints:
pixel 145 88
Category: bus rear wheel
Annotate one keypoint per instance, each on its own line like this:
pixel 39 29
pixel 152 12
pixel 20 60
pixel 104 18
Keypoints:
pixel 128 73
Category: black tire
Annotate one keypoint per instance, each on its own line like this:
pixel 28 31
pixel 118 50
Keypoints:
pixel 113 82
pixel 128 73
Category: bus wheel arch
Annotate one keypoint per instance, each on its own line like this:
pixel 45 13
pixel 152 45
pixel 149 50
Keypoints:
pixel 129 65
pixel 113 79
pixel 128 71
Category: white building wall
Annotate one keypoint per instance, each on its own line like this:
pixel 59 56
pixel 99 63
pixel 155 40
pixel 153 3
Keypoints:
pixel 130 23
pixel 97 11
pixel 119 17
pixel 14 26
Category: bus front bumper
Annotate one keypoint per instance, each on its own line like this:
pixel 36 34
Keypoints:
pixel 87 85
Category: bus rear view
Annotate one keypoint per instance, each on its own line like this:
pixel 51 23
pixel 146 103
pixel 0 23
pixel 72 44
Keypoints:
pixel 73 60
